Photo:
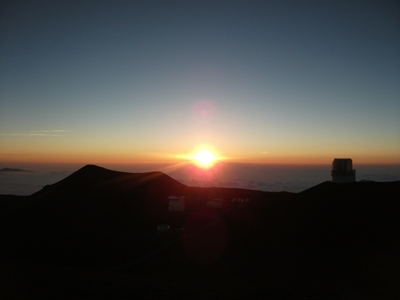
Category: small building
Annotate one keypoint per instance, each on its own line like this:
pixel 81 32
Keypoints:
pixel 217 202
pixel 176 203
pixel 163 228
pixel 342 170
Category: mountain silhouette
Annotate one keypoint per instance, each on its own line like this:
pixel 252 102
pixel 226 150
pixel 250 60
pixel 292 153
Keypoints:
pixel 311 244
pixel 95 207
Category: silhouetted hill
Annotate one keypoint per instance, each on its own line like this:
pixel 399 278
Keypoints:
pixel 329 238
pixel 96 181
pixel 93 206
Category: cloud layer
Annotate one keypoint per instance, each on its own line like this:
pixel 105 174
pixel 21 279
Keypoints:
pixel 261 177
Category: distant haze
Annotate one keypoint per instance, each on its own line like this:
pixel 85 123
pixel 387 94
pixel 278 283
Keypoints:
pixel 256 177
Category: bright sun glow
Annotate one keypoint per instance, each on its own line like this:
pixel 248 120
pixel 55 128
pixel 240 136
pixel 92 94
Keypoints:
pixel 205 157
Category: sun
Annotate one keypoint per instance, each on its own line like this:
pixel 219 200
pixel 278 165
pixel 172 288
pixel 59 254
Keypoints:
pixel 205 158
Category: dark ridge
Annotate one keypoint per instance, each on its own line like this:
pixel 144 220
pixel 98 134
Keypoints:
pixel 332 241
pixel 319 187
pixel 94 179
pixel 353 189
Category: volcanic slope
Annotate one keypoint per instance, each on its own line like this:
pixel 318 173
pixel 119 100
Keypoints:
pixel 92 211
pixel 100 217
pixel 329 237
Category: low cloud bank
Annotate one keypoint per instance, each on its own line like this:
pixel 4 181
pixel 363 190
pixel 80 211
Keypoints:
pixel 272 186
pixel 276 178
pixel 24 184
pixel 271 178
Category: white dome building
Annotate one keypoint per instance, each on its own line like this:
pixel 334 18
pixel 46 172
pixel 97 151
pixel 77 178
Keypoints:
pixel 342 170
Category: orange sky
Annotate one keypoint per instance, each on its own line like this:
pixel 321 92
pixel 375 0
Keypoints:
pixel 259 82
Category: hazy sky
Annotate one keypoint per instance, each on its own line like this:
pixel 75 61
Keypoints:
pixel 147 81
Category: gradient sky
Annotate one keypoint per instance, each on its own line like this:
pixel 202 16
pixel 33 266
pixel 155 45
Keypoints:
pixel 152 81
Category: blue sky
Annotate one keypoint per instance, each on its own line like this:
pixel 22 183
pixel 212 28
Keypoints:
pixel 288 81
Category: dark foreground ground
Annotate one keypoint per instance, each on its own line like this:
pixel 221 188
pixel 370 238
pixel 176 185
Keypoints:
pixel 94 235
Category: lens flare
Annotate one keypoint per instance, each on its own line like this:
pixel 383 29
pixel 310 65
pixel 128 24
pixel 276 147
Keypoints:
pixel 204 112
